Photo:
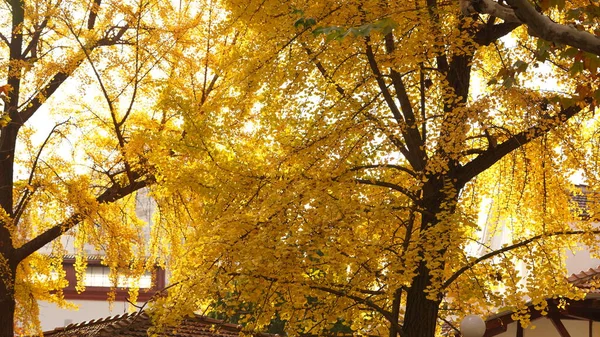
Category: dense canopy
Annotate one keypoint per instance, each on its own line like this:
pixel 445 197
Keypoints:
pixel 329 165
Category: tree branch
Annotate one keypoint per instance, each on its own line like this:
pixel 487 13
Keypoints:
pixel 365 301
pixel 93 14
pixel 388 185
pixel 470 7
pixel 494 154
pixel 489 34
pixel 323 71
pixel 539 25
pixel 375 166
pixel 32 46
pixel 23 202
pixel 414 158
pixel 43 95
pixel 405 104
pixel 470 265
pixel 59 78
pixel 4 39
pixel 111 194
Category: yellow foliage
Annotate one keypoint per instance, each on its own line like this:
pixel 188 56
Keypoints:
pixel 318 162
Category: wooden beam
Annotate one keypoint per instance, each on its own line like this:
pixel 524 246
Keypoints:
pixel 519 329
pixel 497 326
pixel 559 326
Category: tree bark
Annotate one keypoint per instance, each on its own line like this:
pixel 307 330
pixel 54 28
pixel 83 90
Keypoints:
pixel 7 300
pixel 8 140
pixel 539 25
pixel 421 313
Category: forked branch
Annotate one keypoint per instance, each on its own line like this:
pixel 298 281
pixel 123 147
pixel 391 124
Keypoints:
pixel 27 193
pixel 539 25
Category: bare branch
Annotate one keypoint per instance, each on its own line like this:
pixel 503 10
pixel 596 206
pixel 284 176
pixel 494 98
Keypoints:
pixel 210 88
pixel 412 142
pixel 136 79
pixel 59 78
pixel 32 46
pixel 323 71
pixel 26 194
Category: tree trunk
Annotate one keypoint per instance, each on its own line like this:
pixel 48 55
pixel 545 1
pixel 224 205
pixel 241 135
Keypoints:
pixel 7 263
pixel 420 318
pixel 421 313
pixel 7 301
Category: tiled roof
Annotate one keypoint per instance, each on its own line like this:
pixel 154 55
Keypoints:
pixel 586 199
pixel 586 278
pixel 581 198
pixel 137 324
pixel 89 257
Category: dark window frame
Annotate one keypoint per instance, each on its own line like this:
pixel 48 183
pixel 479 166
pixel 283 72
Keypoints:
pixel 102 293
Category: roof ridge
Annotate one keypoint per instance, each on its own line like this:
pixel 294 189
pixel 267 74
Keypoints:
pixel 111 320
pixel 122 324
pixel 220 322
pixel 584 275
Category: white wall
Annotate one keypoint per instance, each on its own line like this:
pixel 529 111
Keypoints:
pixel 580 261
pixel 52 316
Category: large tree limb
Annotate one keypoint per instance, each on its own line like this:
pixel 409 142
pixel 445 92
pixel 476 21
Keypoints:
pixel 111 194
pixel 494 253
pixel 392 186
pixel 55 82
pixel 491 33
pixel 93 14
pixel 413 142
pixel 494 154
pixel 539 25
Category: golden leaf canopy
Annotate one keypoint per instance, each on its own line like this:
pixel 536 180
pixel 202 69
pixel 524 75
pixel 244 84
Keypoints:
pixel 372 166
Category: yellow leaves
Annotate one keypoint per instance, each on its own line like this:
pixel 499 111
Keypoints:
pixel 4 120
pixel 5 90
pixel 257 133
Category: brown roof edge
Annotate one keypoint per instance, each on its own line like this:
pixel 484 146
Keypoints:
pixel 94 322
pixel 123 325
pixel 579 279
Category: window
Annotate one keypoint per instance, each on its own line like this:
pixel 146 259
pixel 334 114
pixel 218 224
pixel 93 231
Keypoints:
pixel 98 276
pixel 98 283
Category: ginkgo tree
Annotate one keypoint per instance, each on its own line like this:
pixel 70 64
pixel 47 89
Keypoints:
pixel 346 186
pixel 321 163
pixel 80 129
